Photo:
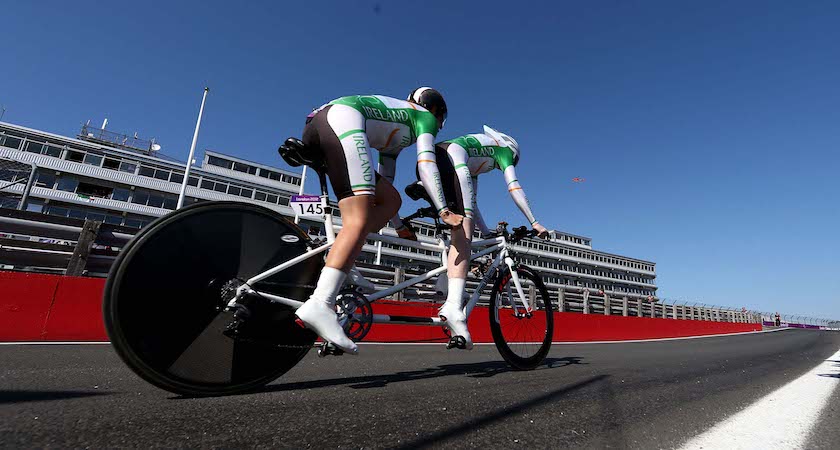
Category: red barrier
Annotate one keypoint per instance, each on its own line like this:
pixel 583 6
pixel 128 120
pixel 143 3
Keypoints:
pixel 25 302
pixel 37 307
pixel 568 327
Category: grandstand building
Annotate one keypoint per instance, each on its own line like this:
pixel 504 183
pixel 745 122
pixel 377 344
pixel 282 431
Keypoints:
pixel 123 180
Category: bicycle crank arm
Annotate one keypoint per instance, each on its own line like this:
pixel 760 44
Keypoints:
pixel 408 320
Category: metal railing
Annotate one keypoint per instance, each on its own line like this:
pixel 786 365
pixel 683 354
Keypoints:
pixel 119 140
pixel 33 241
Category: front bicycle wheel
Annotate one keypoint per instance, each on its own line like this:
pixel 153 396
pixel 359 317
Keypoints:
pixel 165 298
pixel 523 338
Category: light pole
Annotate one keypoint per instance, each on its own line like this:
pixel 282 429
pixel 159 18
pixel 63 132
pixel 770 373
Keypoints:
pixel 192 151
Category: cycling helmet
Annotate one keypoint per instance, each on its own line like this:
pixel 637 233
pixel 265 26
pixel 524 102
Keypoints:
pixel 506 140
pixel 431 100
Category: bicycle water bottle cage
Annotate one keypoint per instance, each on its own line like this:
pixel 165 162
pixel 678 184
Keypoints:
pixel 296 154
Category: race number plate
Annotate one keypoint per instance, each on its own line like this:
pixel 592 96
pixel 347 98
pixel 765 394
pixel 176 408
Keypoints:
pixel 307 205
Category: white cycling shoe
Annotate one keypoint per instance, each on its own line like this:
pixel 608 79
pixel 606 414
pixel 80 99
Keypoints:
pixel 356 277
pixel 455 319
pixel 320 317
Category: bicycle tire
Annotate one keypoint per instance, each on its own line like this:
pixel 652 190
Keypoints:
pixel 541 323
pixel 164 313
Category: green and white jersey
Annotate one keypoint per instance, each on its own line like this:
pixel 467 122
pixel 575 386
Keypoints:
pixel 391 124
pixel 475 154
pixel 484 153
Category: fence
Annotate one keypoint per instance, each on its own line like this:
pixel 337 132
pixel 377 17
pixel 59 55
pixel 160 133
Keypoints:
pixel 13 173
pixel 84 247
pixel 31 241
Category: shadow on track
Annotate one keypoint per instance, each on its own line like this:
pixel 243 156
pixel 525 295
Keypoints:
pixel 473 370
pixel 11 397
pixel 436 439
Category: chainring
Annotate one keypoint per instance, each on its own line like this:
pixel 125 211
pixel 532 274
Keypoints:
pixel 355 313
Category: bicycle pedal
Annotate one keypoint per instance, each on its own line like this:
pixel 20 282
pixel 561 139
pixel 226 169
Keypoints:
pixel 457 342
pixel 327 349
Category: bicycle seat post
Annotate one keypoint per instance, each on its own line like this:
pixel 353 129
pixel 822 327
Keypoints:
pixel 325 200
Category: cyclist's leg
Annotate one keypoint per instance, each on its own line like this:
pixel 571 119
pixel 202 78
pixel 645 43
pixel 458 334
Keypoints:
pixel 388 202
pixel 338 130
pixel 451 158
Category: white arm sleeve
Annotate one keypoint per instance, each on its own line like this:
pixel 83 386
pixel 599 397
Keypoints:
pixel 429 173
pixel 518 194
pixel 479 219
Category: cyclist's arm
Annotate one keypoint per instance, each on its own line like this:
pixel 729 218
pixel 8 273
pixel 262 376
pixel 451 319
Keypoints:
pixel 428 169
pixel 518 194
pixel 479 219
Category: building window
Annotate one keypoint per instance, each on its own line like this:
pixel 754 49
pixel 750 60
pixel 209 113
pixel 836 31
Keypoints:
pixel 67 184
pixel 147 171
pixel 113 164
pixel 34 147
pixel 35 206
pixel 155 200
pixel 193 181
pixel 93 160
pixel 74 156
pixel 248 193
pixel 133 223
pixel 234 190
pixel 207 184
pixel 11 142
pixel 93 190
pixel 219 162
pixel 260 196
pixel 239 167
pixel 140 197
pixel 177 178
pixel 45 179
pixel 120 194
pixel 58 211
pixel 170 202
pixel 77 214
pixel 51 150
pixel 128 167
pixel 220 187
pixel 271 198
pixel 113 220
pixel 162 174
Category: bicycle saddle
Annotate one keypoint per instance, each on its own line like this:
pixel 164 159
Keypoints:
pixel 416 191
pixel 296 153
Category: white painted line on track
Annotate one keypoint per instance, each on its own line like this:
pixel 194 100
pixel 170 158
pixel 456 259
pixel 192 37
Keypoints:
pixel 439 343
pixel 787 414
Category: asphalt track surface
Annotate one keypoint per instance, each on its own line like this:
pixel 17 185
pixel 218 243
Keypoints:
pixel 627 395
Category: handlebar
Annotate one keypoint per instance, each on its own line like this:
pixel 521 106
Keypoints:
pixel 519 233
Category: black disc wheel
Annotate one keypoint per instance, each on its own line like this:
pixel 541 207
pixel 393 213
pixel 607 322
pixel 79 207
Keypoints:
pixel 522 334
pixel 165 300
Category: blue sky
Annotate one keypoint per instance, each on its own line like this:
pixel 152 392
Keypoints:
pixel 707 132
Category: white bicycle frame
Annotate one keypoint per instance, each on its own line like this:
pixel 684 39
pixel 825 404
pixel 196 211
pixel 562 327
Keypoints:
pixel 487 246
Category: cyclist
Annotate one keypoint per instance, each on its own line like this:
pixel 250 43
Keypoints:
pixel 345 130
pixel 460 162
